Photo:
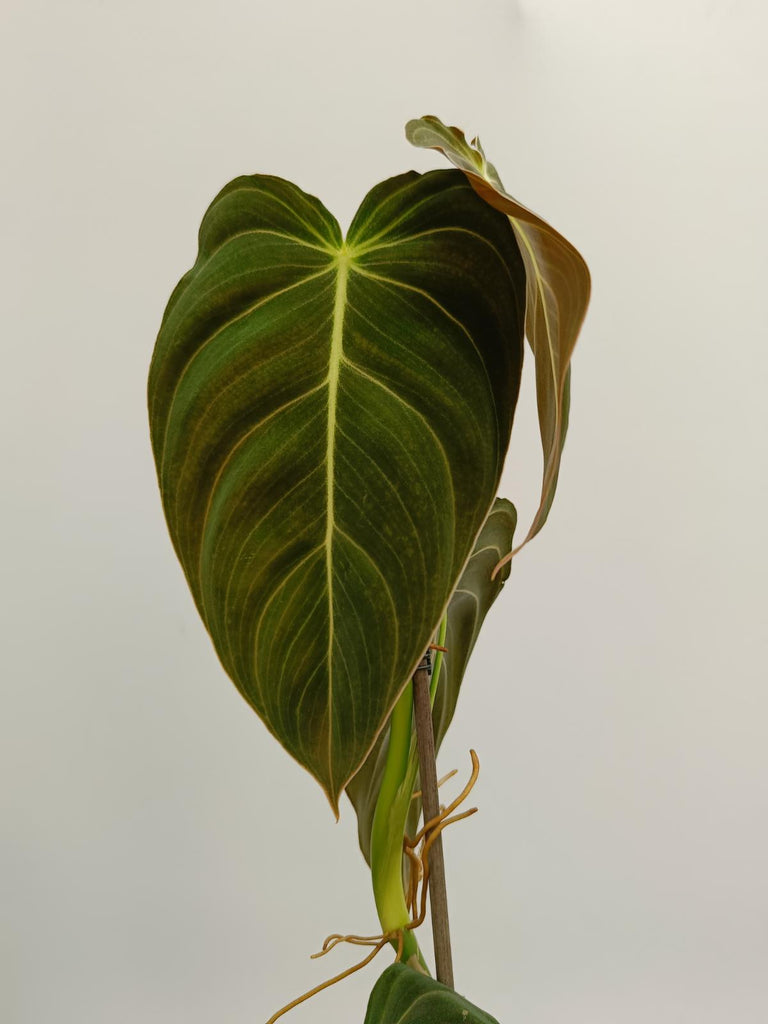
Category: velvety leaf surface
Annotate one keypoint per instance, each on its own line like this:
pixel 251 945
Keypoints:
pixel 329 420
pixel 558 290
pixel 404 996
pixel 470 603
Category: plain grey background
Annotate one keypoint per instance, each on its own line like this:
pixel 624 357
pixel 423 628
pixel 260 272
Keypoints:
pixel 162 859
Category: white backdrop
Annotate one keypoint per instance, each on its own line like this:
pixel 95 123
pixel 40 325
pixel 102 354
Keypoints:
pixel 162 859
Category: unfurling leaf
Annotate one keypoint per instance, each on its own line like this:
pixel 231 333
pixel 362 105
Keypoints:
pixel 329 420
pixel 477 589
pixel 557 286
pixel 404 996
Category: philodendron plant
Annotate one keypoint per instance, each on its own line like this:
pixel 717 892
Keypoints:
pixel 329 418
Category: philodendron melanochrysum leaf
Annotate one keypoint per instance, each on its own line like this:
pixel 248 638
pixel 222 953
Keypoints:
pixel 477 589
pixel 404 996
pixel 558 290
pixel 329 419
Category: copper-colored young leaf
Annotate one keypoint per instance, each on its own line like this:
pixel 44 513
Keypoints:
pixel 557 285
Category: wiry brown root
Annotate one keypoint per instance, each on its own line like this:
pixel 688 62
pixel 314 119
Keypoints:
pixel 449 775
pixel 426 836
pixel 355 940
pixel 419 877
pixel 332 981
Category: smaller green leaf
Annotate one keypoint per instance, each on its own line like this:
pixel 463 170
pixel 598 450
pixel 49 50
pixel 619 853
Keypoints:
pixel 558 290
pixel 476 591
pixel 404 996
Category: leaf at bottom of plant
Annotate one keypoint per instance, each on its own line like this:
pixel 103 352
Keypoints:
pixel 404 996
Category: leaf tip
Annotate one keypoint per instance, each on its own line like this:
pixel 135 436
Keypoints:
pixel 333 800
pixel 415 126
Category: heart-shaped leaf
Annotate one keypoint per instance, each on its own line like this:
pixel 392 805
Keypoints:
pixel 404 996
pixel 329 420
pixel 478 588
pixel 558 290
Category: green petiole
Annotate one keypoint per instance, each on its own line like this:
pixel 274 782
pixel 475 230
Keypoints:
pixel 391 814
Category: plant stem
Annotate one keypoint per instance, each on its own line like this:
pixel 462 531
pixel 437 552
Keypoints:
pixel 388 829
pixel 438 896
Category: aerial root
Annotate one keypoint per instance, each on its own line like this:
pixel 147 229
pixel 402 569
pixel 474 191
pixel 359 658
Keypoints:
pixel 445 812
pixel 354 940
pixel 426 836
pixel 451 773
pixel 414 877
pixel 415 897
pixel 339 977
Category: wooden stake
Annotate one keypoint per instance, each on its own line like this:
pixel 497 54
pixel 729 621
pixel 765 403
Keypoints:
pixel 438 896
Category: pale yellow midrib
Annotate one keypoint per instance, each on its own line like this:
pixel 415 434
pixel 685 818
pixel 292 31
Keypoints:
pixel 334 362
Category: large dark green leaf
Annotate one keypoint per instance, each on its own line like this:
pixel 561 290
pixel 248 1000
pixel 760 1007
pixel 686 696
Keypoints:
pixel 470 603
pixel 329 420
pixel 404 996
pixel 558 290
